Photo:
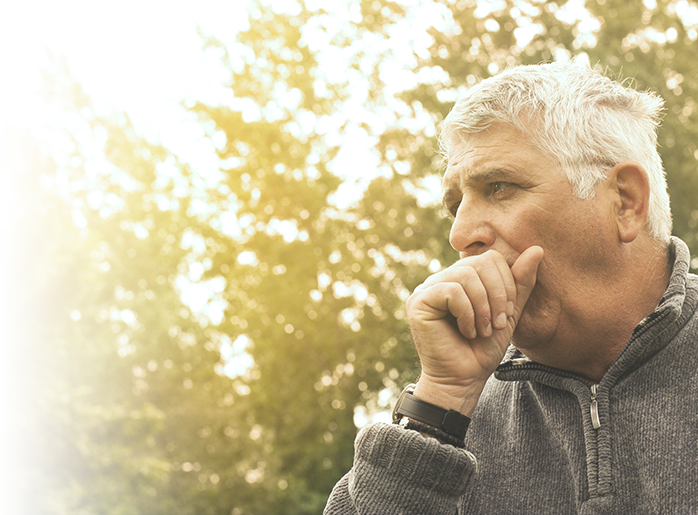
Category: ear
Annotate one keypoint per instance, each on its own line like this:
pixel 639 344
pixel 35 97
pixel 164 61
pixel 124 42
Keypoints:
pixel 630 189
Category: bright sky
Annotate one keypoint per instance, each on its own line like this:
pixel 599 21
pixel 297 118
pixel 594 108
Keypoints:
pixel 142 57
pixel 139 57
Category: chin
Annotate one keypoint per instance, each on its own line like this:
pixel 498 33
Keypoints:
pixel 525 336
pixel 536 325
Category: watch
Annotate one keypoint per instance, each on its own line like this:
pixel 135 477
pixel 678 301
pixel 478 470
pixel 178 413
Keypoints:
pixel 450 422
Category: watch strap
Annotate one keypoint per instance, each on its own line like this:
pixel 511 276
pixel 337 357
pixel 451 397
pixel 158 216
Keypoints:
pixel 449 421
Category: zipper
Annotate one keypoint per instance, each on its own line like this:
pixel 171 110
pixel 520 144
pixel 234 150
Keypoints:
pixel 525 364
pixel 594 407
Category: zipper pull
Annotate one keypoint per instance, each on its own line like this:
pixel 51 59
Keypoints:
pixel 594 408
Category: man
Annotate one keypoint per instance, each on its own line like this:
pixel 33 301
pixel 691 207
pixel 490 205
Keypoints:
pixel 566 336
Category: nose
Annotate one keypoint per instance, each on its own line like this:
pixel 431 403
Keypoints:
pixel 471 232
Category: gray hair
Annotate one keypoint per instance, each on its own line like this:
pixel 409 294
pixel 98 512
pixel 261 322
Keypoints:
pixel 580 118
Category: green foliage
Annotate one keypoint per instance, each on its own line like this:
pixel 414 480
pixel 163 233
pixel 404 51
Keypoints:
pixel 317 291
pixel 149 405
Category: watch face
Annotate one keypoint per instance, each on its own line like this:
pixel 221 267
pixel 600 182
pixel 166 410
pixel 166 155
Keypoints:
pixel 408 389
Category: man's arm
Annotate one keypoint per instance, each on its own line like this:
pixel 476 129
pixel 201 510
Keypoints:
pixel 399 471
pixel 453 320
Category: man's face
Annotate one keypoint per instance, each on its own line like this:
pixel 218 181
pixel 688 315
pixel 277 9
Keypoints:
pixel 506 195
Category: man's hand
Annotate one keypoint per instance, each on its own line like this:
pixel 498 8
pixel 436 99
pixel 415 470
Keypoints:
pixel 462 320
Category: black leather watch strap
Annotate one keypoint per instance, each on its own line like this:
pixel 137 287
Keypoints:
pixel 449 421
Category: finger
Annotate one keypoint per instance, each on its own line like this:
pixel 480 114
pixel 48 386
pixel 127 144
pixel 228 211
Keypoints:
pixel 472 283
pixel 443 300
pixel 489 267
pixel 525 272
pixel 447 275
pixel 489 292
pixel 502 294
pixel 491 279
pixel 460 307
pixel 509 284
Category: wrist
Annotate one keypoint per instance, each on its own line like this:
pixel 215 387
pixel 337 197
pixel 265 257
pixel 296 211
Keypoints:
pixel 462 399
pixel 449 426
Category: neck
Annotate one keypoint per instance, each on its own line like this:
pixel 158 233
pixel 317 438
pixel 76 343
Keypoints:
pixel 588 343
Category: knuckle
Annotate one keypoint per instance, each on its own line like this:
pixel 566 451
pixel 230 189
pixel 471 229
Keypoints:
pixel 469 272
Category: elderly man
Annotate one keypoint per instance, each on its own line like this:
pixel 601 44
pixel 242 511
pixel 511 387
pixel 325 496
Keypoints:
pixel 560 354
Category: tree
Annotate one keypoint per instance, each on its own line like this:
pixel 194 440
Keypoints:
pixel 315 291
pixel 63 449
pixel 124 410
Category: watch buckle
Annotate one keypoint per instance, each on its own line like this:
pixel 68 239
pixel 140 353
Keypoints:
pixel 408 389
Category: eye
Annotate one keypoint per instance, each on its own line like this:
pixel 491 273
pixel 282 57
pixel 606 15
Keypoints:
pixel 498 187
pixel 501 189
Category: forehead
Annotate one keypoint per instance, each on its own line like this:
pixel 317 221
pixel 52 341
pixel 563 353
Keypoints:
pixel 500 152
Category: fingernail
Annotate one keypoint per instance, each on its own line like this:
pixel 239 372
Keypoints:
pixel 488 329
pixel 501 321
pixel 510 308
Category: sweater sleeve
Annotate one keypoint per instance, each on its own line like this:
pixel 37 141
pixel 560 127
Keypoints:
pixel 398 471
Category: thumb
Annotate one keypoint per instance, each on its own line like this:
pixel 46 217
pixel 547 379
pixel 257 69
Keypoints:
pixel 525 271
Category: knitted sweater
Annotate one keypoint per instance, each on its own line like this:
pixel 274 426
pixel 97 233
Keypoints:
pixel 532 446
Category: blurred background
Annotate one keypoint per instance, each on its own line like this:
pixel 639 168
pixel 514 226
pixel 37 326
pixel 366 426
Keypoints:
pixel 212 216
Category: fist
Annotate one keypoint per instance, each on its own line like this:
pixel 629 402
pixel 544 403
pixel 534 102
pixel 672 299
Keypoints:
pixel 462 320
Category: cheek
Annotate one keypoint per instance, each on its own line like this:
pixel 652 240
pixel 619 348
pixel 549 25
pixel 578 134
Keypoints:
pixel 577 262
pixel 530 228
pixel 589 248
pixel 574 236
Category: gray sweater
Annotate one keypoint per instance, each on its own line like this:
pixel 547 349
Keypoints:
pixel 532 447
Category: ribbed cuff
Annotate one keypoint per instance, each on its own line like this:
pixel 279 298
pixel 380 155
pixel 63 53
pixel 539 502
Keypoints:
pixel 401 470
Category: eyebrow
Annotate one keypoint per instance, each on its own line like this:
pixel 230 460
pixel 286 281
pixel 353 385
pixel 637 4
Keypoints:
pixel 493 174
